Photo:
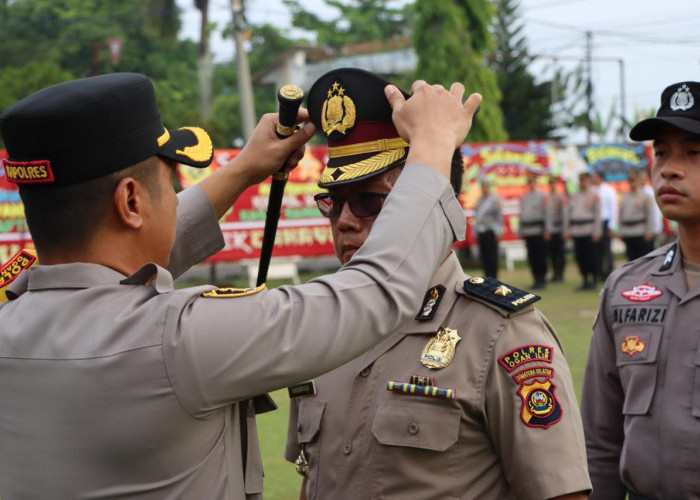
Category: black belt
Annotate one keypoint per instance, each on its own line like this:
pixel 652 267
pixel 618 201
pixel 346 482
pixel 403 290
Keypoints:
pixel 580 221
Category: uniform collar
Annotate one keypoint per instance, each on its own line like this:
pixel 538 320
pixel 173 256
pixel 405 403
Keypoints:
pixel 669 270
pixel 79 275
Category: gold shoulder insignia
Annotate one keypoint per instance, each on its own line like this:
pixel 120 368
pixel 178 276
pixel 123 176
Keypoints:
pixel 495 292
pixel 232 293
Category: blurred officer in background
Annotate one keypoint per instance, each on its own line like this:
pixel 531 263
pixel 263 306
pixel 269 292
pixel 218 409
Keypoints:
pixel 488 225
pixel 636 218
pixel 535 220
pixel 584 226
pixel 658 218
pixel 559 208
pixel 605 261
pixel 112 383
pixel 641 391
pixel 453 404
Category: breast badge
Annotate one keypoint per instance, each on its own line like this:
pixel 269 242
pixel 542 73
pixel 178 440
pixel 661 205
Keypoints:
pixel 540 406
pixel 440 350
pixel 632 345
pixel 642 293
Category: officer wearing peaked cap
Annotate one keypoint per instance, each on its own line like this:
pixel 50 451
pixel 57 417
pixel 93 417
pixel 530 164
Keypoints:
pixel 454 403
pixel 641 392
pixel 114 384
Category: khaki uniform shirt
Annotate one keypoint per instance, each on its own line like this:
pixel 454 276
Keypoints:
pixel 641 393
pixel 363 441
pixel 636 214
pixel 535 214
pixel 488 216
pixel 115 386
pixel 584 214
pixel 559 205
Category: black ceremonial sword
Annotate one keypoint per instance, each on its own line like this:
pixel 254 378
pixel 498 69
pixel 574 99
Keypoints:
pixel 289 98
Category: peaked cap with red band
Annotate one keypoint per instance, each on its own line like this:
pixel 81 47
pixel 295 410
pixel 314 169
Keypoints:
pixel 88 128
pixel 349 108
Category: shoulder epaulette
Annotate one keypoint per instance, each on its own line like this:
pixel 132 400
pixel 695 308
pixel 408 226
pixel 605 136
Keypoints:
pixel 498 293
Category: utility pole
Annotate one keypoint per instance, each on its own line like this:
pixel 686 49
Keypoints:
pixel 589 86
pixel 245 86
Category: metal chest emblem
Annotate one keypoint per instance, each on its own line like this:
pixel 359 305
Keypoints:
pixel 682 99
pixel 301 464
pixel 642 293
pixel 632 345
pixel 440 350
pixel 338 113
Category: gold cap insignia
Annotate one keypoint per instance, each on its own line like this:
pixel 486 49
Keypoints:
pixel 476 280
pixel 440 350
pixel 502 291
pixel 338 113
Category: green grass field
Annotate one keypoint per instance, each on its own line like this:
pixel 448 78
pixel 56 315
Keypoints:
pixel 571 312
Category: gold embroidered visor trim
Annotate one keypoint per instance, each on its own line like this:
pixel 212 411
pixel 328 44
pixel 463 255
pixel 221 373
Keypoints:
pixel 201 151
pixel 163 138
pixel 361 168
pixel 367 147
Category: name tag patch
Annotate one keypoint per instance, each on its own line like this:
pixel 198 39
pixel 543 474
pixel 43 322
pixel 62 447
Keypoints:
pixel 639 314
pixel 302 390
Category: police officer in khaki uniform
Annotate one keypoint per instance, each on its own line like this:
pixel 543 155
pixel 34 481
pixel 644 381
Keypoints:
pixel 559 207
pixel 113 383
pixel 584 227
pixel 454 404
pixel 488 225
pixel 641 392
pixel 636 218
pixel 535 220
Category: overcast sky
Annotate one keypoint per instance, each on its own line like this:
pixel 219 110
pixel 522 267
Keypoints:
pixel 657 40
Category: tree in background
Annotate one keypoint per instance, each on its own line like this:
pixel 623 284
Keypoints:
pixel 51 41
pixel 359 21
pixel 452 40
pixel 526 104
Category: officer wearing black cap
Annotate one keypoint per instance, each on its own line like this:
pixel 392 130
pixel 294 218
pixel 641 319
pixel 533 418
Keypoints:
pixel 641 393
pixel 114 384
pixel 452 405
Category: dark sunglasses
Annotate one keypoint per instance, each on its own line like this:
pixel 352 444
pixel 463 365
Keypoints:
pixel 364 204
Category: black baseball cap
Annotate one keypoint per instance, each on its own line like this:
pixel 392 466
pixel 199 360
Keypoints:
pixel 88 128
pixel 680 107
pixel 349 107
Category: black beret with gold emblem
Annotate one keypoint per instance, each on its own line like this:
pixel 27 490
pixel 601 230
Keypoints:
pixel 88 128
pixel 349 107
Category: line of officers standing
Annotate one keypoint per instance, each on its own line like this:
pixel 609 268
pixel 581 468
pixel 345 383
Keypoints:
pixel 591 217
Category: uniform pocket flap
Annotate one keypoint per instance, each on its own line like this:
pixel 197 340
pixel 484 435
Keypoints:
pixel 416 425
pixel 639 382
pixel 309 423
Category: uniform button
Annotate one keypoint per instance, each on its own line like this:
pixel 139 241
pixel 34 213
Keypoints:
pixel 347 449
pixel 413 428
pixel 365 372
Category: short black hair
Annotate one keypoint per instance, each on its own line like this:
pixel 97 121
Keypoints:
pixel 67 217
